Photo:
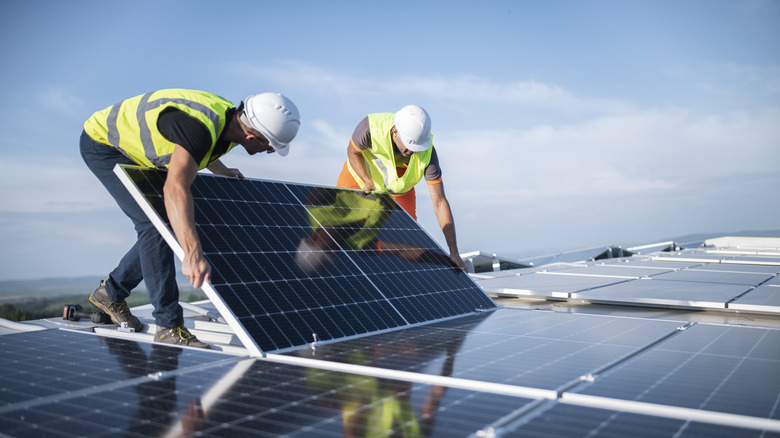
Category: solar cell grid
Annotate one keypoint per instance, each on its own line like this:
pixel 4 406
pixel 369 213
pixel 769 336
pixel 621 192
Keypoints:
pixel 726 369
pixel 71 384
pixel 543 350
pixel 50 364
pixel 291 261
pixel 666 293
pixel 577 421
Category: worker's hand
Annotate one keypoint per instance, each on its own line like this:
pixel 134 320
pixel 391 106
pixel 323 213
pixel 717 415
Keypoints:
pixel 219 168
pixel 455 257
pixel 196 269
pixel 368 187
pixel 231 171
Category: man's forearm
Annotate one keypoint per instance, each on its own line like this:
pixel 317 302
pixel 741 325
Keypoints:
pixel 181 211
pixel 446 222
pixel 181 215
pixel 447 225
pixel 358 164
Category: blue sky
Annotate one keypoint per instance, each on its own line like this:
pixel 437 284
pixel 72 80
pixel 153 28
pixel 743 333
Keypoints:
pixel 560 125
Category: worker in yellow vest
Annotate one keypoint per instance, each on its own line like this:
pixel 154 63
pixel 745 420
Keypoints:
pixel 182 131
pixel 391 153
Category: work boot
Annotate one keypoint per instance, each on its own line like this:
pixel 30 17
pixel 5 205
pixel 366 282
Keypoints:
pixel 178 336
pixel 119 312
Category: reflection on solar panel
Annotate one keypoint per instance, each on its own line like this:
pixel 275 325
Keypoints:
pixel 673 379
pixel 543 350
pixel 627 376
pixel 293 264
pixel 82 385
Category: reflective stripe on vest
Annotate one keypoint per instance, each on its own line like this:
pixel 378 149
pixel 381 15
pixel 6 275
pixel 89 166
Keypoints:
pixel 380 159
pixel 104 126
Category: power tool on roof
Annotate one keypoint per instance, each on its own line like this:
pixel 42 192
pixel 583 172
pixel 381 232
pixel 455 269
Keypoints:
pixel 74 312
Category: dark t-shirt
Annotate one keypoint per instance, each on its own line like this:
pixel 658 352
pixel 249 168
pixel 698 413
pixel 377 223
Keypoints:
pixel 361 138
pixel 181 129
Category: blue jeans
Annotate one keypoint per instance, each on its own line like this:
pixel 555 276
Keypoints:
pixel 150 259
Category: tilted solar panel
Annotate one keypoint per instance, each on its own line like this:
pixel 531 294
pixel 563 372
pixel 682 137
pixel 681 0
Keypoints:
pixel 293 264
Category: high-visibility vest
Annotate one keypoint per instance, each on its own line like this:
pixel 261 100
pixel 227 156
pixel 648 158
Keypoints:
pixel 380 159
pixel 131 125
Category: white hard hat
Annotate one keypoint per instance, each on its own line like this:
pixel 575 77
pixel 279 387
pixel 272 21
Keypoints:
pixel 274 116
pixel 414 127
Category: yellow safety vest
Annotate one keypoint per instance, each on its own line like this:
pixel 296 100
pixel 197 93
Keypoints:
pixel 131 125
pixel 380 159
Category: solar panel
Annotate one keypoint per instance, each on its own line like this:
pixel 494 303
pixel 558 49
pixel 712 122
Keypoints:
pixel 293 264
pixel 623 270
pixel 48 365
pixel 550 284
pixel 560 419
pixel 544 350
pixel 660 292
pixel 649 261
pixel 716 276
pixel 726 257
pixel 765 298
pixel 734 370
pixel 720 267
pixel 77 384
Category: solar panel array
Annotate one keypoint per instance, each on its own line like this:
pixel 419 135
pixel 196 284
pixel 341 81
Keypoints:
pixel 543 350
pixel 59 383
pixel 293 264
pixel 426 362
pixel 616 376
pixel 700 278
pixel 708 367
pixel 510 372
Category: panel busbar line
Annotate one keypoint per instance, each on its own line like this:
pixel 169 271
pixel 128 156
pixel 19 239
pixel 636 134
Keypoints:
pixel 293 264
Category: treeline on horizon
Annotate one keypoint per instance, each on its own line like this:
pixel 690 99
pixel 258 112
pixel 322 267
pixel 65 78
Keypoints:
pixel 41 308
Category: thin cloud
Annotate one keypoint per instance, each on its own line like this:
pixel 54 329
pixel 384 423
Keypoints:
pixel 646 153
pixel 328 136
pixel 60 101
pixel 64 186
pixel 457 89
pixel 767 78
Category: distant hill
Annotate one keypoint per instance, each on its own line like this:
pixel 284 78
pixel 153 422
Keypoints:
pixel 24 290
pixel 47 283
pixel 13 291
